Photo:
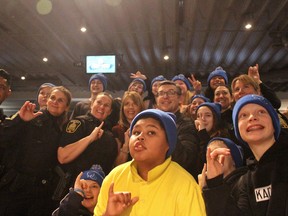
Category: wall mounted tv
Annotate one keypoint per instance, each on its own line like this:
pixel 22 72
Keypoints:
pixel 101 64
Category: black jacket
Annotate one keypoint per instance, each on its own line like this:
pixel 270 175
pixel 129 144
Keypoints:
pixel 216 193
pixel 34 143
pixel 187 148
pixel 71 205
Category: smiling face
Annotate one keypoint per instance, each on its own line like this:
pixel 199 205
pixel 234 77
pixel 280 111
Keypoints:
pixel 102 107
pixel 130 109
pixel 148 144
pixel 222 95
pixel 216 81
pixel 241 89
pixel 91 194
pixel 96 86
pixel 57 102
pixel 194 104
pixel 167 99
pixel 256 127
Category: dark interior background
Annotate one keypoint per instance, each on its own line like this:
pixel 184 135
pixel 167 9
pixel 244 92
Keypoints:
pixel 198 35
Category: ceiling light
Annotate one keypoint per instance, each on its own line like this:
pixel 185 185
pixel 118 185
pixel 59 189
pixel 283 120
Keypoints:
pixel 23 77
pixel 45 59
pixel 166 57
pixel 83 29
pixel 248 26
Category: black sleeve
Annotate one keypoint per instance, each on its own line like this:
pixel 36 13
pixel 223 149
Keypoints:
pixel 70 204
pixel 204 139
pixel 270 95
pixel 10 127
pixel 73 131
pixel 217 198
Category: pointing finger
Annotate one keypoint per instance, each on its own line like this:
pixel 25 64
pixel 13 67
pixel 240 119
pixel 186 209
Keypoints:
pixel 101 125
pixel 111 189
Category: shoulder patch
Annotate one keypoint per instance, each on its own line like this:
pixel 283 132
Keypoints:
pixel 73 126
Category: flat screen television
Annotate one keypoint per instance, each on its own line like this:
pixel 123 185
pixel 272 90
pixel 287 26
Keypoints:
pixel 101 64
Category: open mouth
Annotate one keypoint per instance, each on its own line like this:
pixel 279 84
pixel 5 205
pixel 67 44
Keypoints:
pixel 138 146
pixel 255 128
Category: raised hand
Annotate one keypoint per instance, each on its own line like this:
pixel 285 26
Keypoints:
pixel 197 85
pixel 27 113
pixel 202 177
pixel 118 202
pixel 97 132
pixel 199 124
pixel 215 161
pixel 253 71
pixel 79 185
pixel 138 74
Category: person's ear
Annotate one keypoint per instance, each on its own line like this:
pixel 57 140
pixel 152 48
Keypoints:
pixel 9 92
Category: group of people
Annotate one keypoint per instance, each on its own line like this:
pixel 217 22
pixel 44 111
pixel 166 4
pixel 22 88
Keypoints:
pixel 179 150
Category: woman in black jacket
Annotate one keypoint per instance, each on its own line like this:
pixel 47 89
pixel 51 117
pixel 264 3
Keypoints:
pixel 27 184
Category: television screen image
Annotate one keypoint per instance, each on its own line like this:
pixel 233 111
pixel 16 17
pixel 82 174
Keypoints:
pixel 101 64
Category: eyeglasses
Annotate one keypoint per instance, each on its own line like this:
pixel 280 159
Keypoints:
pixel 168 93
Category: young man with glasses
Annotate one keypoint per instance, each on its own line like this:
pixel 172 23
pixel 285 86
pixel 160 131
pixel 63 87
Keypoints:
pixel 187 148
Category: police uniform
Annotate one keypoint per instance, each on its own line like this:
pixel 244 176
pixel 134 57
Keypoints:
pixel 103 151
pixel 27 185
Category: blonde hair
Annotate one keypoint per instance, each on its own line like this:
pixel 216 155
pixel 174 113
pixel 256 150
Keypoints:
pixel 246 80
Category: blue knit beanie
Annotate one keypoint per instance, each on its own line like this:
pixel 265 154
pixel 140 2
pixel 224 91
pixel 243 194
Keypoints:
pixel 95 173
pixel 255 99
pixel 216 107
pixel 158 78
pixel 184 79
pixel 218 72
pixel 235 150
pixel 168 121
pixel 205 99
pixel 100 77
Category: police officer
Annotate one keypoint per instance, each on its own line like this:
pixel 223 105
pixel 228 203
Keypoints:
pixel 85 140
pixel 27 185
